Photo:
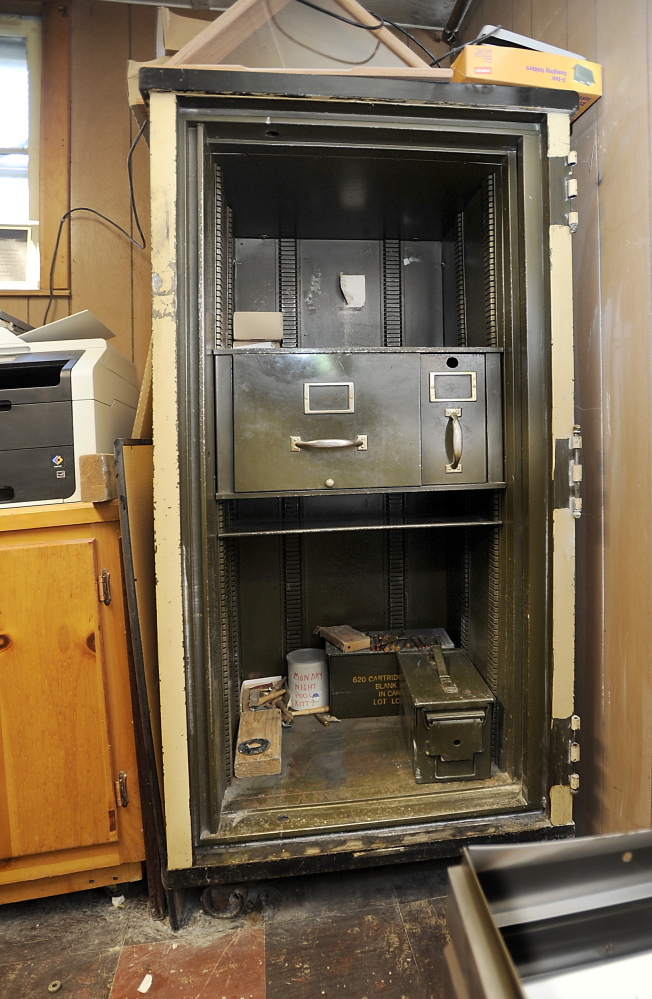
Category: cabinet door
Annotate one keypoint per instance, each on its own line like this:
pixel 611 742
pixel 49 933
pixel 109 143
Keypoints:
pixel 56 787
pixel 325 420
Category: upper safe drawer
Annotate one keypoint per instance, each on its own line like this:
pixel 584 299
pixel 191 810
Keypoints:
pixel 295 421
pixel 325 421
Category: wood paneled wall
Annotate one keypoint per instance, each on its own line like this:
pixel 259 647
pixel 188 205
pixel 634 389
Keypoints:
pixel 108 275
pixel 613 312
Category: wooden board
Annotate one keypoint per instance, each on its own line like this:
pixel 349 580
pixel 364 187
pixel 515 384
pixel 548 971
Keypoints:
pixel 439 75
pixel 259 725
pixel 81 881
pixel 142 41
pixel 137 461
pixel 57 515
pixel 102 263
pixel 245 17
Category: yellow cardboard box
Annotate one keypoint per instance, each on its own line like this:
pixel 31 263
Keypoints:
pixel 523 67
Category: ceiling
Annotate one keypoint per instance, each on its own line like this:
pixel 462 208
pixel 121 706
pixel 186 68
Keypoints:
pixel 433 14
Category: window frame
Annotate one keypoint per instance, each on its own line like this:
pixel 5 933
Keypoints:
pixel 53 162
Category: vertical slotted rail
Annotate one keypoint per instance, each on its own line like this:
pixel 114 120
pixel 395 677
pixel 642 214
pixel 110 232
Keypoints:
pixel 466 591
pixel 460 281
pixel 221 285
pixel 287 257
pixel 395 505
pixel 393 333
pixel 230 669
pixel 230 275
pixel 489 258
pixel 292 580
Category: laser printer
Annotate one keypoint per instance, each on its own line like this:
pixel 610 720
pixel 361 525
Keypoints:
pixel 59 399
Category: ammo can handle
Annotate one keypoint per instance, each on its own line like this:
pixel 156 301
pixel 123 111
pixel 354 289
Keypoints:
pixel 360 442
pixel 458 440
pixel 447 682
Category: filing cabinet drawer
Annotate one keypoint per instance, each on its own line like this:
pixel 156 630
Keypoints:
pixel 461 418
pixel 325 420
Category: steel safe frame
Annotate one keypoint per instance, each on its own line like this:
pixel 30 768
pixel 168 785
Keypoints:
pixel 190 111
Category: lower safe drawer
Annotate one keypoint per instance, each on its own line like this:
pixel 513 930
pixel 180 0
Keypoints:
pixel 296 421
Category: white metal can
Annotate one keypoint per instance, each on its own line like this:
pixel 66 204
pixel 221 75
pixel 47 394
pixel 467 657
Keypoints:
pixel 308 681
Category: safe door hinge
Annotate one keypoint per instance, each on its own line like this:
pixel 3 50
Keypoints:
pixel 121 793
pixel 565 751
pixel 568 473
pixel 104 587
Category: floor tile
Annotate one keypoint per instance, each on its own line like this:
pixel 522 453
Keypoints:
pixel 85 975
pixel 79 921
pixel 356 956
pixel 425 923
pixel 228 966
pixel 414 882
pixel 324 894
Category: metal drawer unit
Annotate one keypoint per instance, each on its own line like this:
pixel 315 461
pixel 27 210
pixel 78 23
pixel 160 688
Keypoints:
pixel 305 421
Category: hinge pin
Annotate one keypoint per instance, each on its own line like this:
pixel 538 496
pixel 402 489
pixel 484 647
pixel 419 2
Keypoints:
pixel 104 587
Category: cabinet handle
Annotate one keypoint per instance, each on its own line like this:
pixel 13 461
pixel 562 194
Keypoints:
pixel 458 440
pixel 360 442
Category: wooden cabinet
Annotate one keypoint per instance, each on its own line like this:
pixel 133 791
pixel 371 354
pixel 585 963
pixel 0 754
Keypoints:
pixel 69 800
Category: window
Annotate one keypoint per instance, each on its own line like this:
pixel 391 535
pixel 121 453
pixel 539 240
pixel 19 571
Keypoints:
pixel 20 86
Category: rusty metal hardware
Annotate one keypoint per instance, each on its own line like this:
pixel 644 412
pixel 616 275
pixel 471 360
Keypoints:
pixel 104 587
pixel 121 793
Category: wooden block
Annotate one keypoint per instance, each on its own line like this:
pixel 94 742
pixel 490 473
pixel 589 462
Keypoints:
pixel 344 637
pixel 97 473
pixel 142 428
pixel 259 725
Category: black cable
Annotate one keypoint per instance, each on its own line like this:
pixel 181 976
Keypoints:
pixel 476 41
pixel 407 35
pixel 339 17
pixel 382 21
pixel 325 55
pixel 67 215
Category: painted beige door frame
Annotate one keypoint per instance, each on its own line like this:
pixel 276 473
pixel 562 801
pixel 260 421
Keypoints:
pixel 563 428
pixel 167 505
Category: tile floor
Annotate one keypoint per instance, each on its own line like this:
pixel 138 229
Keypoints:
pixel 354 935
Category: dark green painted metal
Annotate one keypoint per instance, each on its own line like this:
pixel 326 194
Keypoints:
pixel 507 580
pixel 448 731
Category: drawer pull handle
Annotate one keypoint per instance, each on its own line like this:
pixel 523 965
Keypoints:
pixel 360 443
pixel 458 440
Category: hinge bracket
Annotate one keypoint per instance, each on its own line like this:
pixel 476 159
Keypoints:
pixel 104 587
pixel 568 473
pixel 565 751
pixel 121 793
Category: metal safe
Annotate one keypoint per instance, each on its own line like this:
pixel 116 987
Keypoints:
pixel 400 462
